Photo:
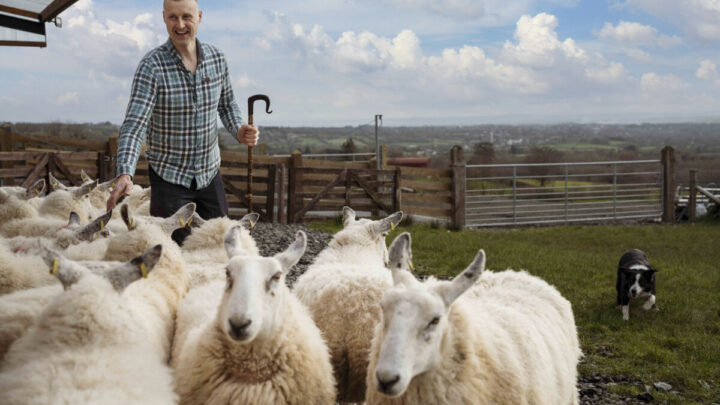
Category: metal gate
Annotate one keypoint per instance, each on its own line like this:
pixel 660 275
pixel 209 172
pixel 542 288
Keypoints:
pixel 546 193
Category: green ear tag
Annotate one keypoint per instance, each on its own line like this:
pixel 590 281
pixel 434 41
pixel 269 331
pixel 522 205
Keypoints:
pixel 54 269
pixel 143 269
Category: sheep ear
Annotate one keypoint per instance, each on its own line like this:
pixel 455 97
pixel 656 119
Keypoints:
pixel 348 216
pixel 127 217
pixel 196 221
pixel 135 269
pixel 35 190
pixel 400 262
pixel 74 219
pixel 65 270
pixel 3 195
pixel 387 224
pixel 55 184
pixel 293 253
pixel 451 290
pixel 84 176
pixel 85 189
pixel 180 219
pixel 249 220
pixel 106 186
pixel 97 225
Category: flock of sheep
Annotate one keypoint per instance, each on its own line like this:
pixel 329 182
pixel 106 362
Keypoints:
pixel 104 308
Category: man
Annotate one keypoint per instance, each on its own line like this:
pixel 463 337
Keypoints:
pixel 177 92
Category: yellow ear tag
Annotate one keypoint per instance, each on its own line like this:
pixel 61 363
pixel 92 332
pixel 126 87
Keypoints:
pixel 182 223
pixel 132 222
pixel 412 268
pixel 189 222
pixel 143 269
pixel 54 269
pixel 37 192
pixel 392 225
pixel 89 189
pixel 252 225
pixel 112 185
pixel 102 225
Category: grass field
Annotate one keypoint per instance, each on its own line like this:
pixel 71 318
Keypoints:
pixel 679 344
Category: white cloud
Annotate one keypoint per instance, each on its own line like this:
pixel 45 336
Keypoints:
pixel 708 71
pixel 700 19
pixel 655 83
pixel 636 34
pixel 538 44
pixel 612 73
pixel 457 9
pixel 68 98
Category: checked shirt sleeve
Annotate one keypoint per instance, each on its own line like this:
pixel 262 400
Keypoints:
pixel 137 116
pixel 227 107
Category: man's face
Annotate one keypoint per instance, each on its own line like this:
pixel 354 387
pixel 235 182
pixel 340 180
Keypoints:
pixel 182 19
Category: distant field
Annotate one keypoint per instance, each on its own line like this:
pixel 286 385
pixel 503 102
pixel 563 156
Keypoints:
pixel 679 344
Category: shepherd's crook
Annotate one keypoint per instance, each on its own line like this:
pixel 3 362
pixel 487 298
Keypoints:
pixel 251 101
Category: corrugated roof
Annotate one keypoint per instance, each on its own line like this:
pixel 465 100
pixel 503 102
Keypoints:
pixel 22 22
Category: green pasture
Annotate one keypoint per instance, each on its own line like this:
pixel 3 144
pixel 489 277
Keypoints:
pixel 679 344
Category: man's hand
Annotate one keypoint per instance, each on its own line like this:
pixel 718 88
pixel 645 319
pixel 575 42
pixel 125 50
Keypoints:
pixel 123 186
pixel 248 134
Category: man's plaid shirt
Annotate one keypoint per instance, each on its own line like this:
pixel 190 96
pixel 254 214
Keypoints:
pixel 178 112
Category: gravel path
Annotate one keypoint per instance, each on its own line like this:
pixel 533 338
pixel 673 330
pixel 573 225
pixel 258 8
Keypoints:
pixel 274 238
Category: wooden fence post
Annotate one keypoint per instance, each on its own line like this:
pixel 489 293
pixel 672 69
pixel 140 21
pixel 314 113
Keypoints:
pixel 6 140
pixel 294 186
pixel 281 209
pixel 397 195
pixel 692 198
pixel 457 166
pixel 270 193
pixel 112 151
pixel 668 186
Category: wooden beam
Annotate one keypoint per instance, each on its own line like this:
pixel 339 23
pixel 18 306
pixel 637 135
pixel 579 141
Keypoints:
pixel 55 8
pixel 24 43
pixel 64 170
pixel 371 193
pixel 20 12
pixel 36 171
pixel 241 196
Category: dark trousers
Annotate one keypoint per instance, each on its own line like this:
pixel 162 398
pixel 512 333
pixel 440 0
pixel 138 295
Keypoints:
pixel 166 198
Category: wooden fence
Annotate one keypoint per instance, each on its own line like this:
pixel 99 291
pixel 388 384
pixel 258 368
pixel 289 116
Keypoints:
pixel 285 189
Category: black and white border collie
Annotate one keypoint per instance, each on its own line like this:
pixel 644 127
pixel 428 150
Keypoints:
pixel 635 279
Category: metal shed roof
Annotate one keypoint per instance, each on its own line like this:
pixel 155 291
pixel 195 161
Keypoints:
pixel 22 22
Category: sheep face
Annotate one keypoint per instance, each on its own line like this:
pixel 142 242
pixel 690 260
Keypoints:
pixel 414 322
pixel 359 231
pixel 253 300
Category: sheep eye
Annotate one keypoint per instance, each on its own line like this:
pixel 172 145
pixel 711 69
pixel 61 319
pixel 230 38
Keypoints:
pixel 229 278
pixel 434 322
pixel 276 276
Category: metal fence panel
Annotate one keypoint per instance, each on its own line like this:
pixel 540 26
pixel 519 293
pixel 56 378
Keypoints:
pixel 548 193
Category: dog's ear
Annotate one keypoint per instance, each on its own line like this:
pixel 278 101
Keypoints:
pixel 624 269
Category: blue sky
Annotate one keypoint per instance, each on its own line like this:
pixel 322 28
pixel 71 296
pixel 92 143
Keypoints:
pixel 417 62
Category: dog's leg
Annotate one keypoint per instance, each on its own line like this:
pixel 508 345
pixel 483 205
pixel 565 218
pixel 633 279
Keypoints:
pixel 626 312
pixel 650 303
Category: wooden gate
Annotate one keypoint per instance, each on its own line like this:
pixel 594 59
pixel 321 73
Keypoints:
pixel 25 168
pixel 361 189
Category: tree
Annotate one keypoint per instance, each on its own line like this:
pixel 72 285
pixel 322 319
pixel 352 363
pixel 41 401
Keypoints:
pixel 348 146
pixel 543 154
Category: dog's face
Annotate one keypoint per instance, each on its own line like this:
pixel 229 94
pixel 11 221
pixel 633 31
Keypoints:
pixel 639 280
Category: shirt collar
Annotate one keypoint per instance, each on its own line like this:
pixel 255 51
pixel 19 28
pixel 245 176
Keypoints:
pixel 175 55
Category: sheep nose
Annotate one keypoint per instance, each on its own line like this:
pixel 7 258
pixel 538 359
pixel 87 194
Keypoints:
pixel 386 381
pixel 238 328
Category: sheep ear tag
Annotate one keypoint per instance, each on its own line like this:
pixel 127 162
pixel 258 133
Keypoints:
pixel 392 225
pixel 143 269
pixel 102 225
pixel 189 222
pixel 54 269
pixel 410 265
pixel 252 225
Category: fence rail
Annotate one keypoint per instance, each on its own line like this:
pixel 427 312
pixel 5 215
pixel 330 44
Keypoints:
pixel 535 193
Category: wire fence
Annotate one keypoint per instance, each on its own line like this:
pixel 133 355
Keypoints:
pixel 546 193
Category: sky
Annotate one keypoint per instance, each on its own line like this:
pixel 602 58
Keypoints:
pixel 416 62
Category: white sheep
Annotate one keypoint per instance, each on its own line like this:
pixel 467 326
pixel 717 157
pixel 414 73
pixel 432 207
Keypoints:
pixel 20 271
pixel 350 270
pixel 204 249
pixel 61 202
pixel 510 338
pixel 248 340
pixel 13 207
pixel 33 194
pixel 155 300
pixel 87 346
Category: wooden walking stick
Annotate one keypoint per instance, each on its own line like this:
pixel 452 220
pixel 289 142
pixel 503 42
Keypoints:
pixel 251 101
